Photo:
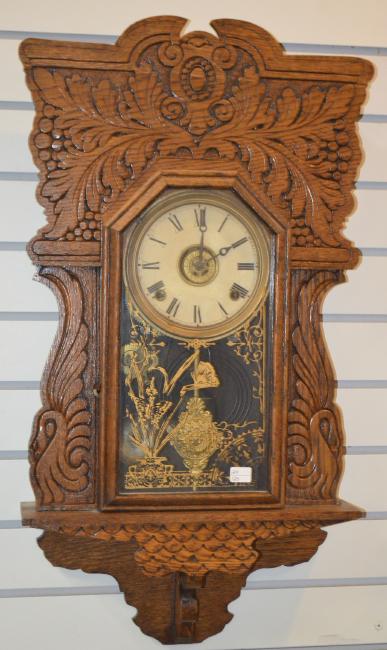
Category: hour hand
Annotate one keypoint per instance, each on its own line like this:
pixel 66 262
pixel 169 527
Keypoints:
pixel 223 251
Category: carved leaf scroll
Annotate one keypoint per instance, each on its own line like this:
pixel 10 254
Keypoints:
pixel 314 432
pixel 62 445
pixel 103 137
pixel 289 145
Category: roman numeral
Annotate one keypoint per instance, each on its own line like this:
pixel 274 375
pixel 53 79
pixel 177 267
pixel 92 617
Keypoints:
pixel 239 242
pixel 173 307
pixel 163 243
pixel 197 315
pixel 222 224
pixel 157 286
pixel 246 266
pixel 222 308
pixel 201 218
pixel 152 266
pixel 236 288
pixel 175 222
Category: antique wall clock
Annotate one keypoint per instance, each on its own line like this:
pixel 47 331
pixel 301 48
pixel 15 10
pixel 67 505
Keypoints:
pixel 195 188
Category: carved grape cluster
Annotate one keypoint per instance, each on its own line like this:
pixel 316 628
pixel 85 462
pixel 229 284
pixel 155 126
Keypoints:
pixel 334 154
pixel 88 228
pixel 53 144
pixel 302 235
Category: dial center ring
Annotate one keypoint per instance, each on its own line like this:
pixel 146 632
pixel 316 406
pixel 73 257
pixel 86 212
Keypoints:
pixel 198 266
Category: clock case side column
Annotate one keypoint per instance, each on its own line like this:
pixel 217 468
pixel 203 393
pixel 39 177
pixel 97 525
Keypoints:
pixel 315 442
pixel 63 444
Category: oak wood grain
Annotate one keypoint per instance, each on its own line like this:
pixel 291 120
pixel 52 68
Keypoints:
pixel 115 126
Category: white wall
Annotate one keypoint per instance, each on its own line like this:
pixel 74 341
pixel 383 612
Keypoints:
pixel 340 597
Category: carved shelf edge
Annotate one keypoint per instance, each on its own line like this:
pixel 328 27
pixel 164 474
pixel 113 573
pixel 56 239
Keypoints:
pixel 192 544
pixel 204 562
pixel 326 514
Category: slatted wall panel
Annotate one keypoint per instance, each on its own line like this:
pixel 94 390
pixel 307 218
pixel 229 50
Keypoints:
pixel 339 599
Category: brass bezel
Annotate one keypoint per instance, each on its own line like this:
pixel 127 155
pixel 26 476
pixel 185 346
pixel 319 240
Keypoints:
pixel 182 272
pixel 133 237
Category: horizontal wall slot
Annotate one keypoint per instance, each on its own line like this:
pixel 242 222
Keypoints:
pixel 362 383
pixel 316 583
pixel 369 450
pixel 19 385
pixel 369 117
pixel 34 592
pixel 32 176
pixel 15 106
pixel 327 318
pixel 19 176
pixel 365 450
pixel 21 246
pixel 39 592
pixel 351 318
pixel 10 524
pixel 341 383
pixel 28 315
pixel 13 454
pixel 344 646
pixel 318 48
pixel 12 246
pixel 11 105
pixel 370 516
pixel 371 185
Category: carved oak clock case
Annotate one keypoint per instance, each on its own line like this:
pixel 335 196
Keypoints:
pixel 195 188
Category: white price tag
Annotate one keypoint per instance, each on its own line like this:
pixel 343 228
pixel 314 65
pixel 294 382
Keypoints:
pixel 240 474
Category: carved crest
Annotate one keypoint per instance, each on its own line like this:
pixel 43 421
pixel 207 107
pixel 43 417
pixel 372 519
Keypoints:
pixel 193 98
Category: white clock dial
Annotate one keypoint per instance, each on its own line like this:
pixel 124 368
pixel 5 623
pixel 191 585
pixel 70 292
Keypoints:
pixel 196 265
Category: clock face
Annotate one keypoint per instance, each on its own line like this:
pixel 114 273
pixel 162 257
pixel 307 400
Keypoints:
pixel 197 263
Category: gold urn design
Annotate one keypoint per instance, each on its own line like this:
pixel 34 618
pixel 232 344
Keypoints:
pixel 196 436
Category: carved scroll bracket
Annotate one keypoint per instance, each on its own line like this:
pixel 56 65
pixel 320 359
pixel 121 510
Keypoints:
pixel 204 565
pixel 194 612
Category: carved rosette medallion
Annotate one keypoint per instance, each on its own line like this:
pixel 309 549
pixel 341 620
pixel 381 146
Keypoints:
pixel 197 83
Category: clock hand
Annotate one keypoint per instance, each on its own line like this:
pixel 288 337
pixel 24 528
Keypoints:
pixel 223 251
pixel 203 228
pixel 201 247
